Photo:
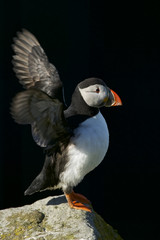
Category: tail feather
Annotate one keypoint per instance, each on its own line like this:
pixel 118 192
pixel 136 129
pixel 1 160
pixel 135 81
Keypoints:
pixel 47 179
pixel 37 185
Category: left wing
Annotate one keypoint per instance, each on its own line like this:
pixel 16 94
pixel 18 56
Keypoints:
pixel 46 116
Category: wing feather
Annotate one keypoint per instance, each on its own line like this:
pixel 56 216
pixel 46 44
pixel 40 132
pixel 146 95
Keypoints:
pixel 46 116
pixel 33 68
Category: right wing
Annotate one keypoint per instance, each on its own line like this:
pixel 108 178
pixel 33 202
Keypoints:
pixel 32 67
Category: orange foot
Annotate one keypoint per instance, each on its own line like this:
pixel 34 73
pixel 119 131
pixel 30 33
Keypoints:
pixel 76 200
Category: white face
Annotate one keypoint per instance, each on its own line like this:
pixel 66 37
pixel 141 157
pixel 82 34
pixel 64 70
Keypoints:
pixel 95 95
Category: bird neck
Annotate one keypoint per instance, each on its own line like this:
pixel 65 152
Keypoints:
pixel 79 107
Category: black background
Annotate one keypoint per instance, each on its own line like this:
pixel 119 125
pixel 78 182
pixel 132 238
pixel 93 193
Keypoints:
pixel 120 43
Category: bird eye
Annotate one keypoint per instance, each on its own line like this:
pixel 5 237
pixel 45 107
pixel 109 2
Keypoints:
pixel 97 90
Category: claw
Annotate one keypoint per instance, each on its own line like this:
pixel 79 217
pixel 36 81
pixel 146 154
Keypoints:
pixel 76 200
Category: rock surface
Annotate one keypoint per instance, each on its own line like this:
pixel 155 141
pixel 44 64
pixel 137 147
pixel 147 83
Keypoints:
pixel 52 219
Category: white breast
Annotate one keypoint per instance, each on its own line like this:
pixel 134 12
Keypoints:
pixel 86 151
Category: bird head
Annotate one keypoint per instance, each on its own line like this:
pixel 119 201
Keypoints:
pixel 96 94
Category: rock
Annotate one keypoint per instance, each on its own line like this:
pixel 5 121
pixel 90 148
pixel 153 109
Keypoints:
pixel 52 219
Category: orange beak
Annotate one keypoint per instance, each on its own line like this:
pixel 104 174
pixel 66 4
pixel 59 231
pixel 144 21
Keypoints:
pixel 117 100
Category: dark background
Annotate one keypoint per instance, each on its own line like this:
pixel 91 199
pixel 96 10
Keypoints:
pixel 120 43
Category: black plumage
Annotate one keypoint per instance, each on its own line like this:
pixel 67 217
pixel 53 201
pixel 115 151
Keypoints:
pixel 41 105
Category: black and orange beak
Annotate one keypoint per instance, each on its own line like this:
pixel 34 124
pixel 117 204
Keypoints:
pixel 117 101
pixel 113 99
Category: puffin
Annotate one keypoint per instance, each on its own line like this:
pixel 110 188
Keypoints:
pixel 74 138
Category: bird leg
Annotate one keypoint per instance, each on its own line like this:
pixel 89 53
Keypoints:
pixel 76 200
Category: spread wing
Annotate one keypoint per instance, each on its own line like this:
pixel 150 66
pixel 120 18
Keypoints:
pixel 46 116
pixel 32 67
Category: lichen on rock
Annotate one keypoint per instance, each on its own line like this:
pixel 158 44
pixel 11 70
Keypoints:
pixel 52 219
